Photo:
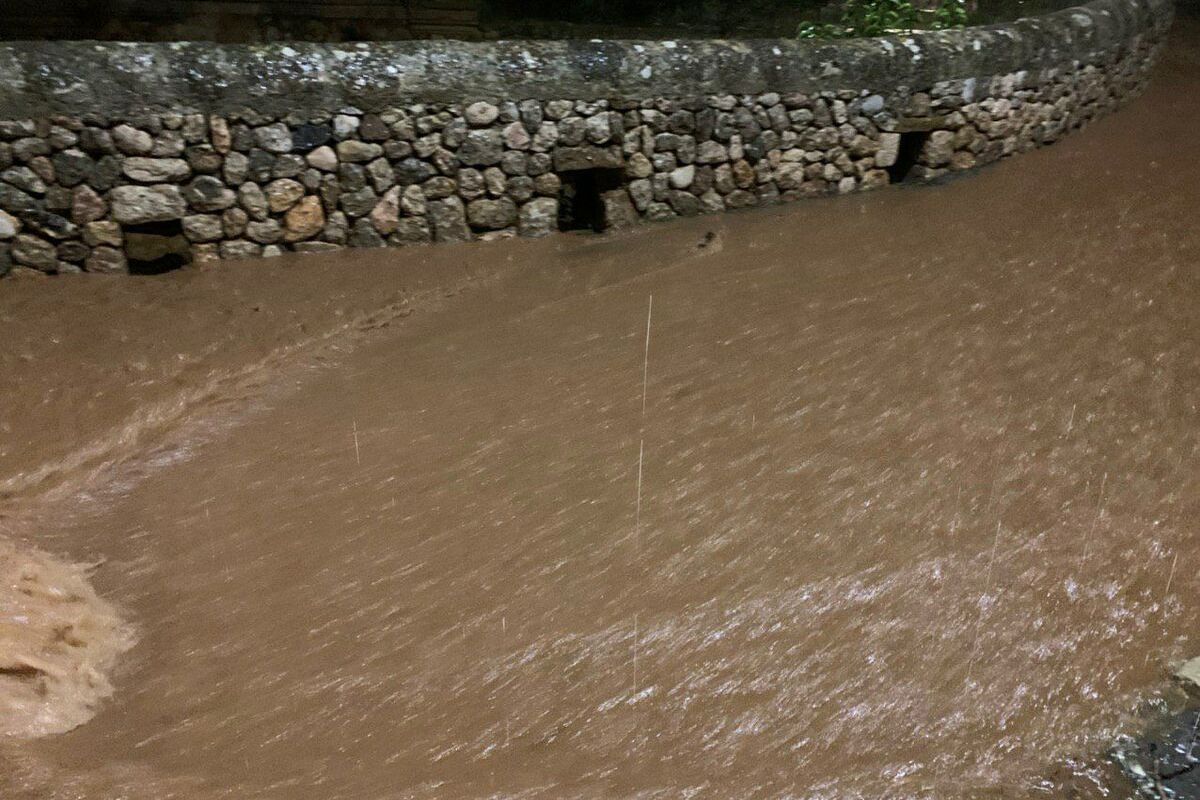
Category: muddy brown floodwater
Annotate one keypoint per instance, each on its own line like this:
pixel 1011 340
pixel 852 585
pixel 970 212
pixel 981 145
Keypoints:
pixel 908 508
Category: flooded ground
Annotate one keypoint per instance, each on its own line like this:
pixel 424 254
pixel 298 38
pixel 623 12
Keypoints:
pixel 899 498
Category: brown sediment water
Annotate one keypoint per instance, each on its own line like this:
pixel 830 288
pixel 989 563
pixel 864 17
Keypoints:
pixel 900 500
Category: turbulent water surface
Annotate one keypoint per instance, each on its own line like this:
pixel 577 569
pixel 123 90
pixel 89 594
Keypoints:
pixel 892 496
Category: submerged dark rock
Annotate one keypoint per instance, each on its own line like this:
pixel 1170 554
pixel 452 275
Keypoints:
pixel 1164 763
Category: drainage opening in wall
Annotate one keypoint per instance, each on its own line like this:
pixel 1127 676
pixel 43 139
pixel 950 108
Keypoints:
pixel 908 155
pixel 156 247
pixel 581 198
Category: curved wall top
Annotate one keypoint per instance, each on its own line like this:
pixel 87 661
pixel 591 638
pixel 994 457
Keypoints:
pixel 45 78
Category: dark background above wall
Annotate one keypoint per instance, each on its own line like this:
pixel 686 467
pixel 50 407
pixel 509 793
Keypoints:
pixel 254 21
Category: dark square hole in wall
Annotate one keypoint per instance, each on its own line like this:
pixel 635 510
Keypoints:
pixel 580 200
pixel 911 145
pixel 156 247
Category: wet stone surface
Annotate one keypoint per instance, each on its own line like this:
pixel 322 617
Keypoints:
pixel 1164 764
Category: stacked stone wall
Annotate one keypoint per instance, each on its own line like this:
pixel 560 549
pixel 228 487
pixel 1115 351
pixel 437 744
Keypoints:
pixel 110 189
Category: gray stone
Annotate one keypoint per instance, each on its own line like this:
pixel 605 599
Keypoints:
pixel 337 228
pixel 516 137
pixel 345 126
pixel 252 199
pixel 363 234
pixel 514 163
pixel 412 230
pixel 317 247
pixel 202 158
pixel 572 131
pixel 193 128
pixel 311 135
pixel 1188 674
pixel 373 129
pixel 381 174
pixel 740 198
pixel 282 194
pixel 538 217
pixel 156 170
pixel 106 174
pixel 96 141
pixel 412 201
pixel 470 183
pixel 135 205
pixel 711 202
pixel 492 214
pixel 73 252
pixel 239 249
pixel 360 203
pixel 619 211
pixel 203 228
pixel 266 231
pixel 639 166
pixel 131 141
pixel 260 166
pixel 547 184
pixel 531 114
pixel 106 260
pixel 546 137
pixel 73 167
pixel 288 165
pixel 454 133
pixel 682 177
pixel 449 220
pixel 641 192
pixel 42 167
pixel 445 161
pixel 495 180
pixel 889 149
pixel 219 135
pixel 274 138
pixel 236 169
pixel 24 179
pixel 206 193
pixel 481 148
pixel 656 212
pixel 32 251
pixel 233 222
pixel 573 158
pixel 520 188
pixel 323 158
pixel 481 113
pixel 598 128
pixel 352 177
pixel 559 109
pixel 168 144
pixel 354 151
pixel 424 146
pixel 413 170
pixel 9 226
pixel 439 187
pixel 663 162
pixel 27 149
pixel 710 152
pixel 685 204
pixel 103 232
pixel 54 226
pixel 939 148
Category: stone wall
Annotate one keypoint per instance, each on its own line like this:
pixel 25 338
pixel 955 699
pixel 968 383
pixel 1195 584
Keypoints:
pixel 117 158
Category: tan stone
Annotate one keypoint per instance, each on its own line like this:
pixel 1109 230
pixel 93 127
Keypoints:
pixel 304 220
